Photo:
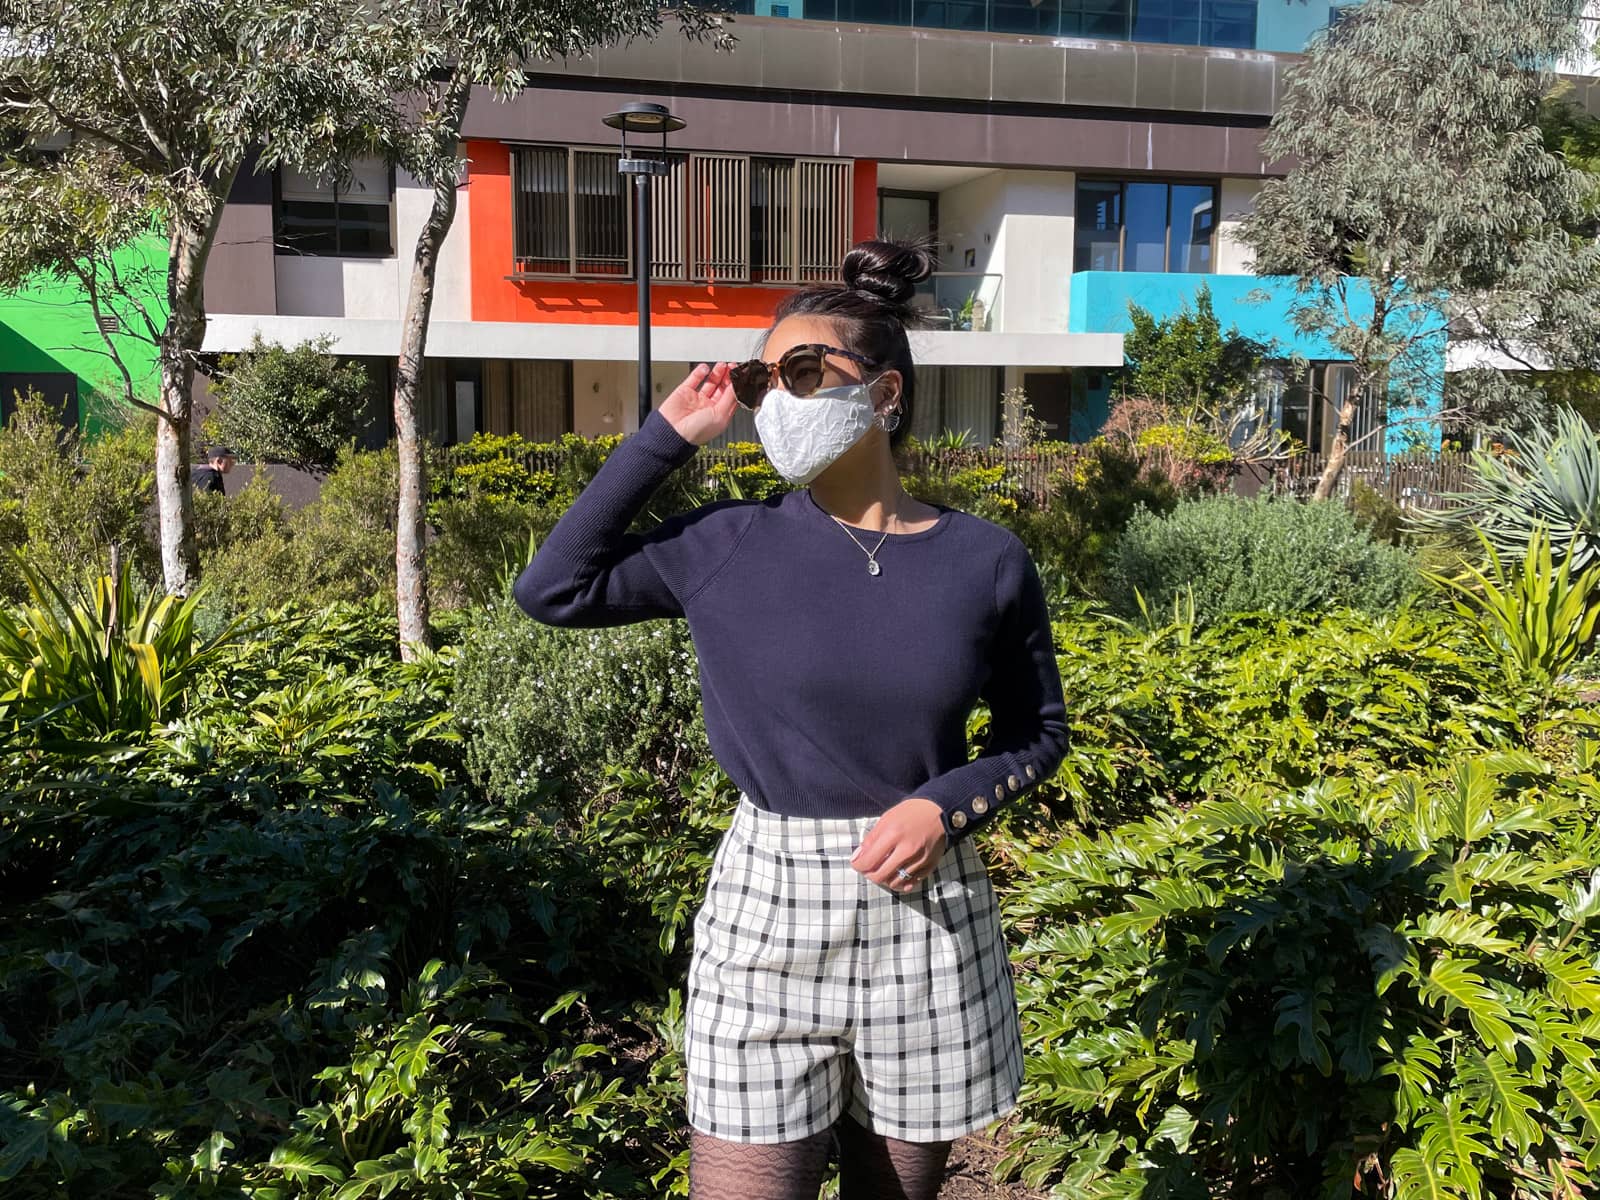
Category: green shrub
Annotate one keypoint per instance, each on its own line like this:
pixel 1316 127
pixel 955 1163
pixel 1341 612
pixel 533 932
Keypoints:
pixel 1072 536
pixel 1538 618
pixel 1364 984
pixel 1169 717
pixel 290 404
pixel 221 992
pixel 65 498
pixel 538 703
pixel 257 556
pixel 481 540
pixel 247 962
pixel 1261 555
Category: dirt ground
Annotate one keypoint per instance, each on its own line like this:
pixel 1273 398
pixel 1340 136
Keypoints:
pixel 969 1175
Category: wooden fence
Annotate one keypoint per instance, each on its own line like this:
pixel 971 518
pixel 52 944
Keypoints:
pixel 1416 480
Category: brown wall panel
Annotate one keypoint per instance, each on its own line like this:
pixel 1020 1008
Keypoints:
pixel 239 270
pixel 793 123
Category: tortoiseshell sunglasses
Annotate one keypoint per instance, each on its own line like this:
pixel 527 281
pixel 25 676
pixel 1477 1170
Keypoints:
pixel 800 369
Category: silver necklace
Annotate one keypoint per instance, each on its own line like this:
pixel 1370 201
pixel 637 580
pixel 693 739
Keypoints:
pixel 872 555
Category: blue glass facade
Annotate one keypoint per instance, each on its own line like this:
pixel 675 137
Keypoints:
pixel 1282 25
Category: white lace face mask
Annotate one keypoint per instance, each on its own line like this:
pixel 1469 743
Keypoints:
pixel 803 435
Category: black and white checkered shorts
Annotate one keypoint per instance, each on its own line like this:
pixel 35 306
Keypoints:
pixel 813 991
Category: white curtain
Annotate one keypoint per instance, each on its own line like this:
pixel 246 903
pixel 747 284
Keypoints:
pixel 971 398
pixel 925 424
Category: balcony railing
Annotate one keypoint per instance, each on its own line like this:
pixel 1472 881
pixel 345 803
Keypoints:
pixel 965 300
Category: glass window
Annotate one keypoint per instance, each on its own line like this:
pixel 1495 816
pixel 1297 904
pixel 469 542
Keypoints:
pixel 715 217
pixel 1145 240
pixel 1194 213
pixel 875 12
pixel 1144 225
pixel 950 14
pixel 1098 226
pixel 1025 16
pixel 320 217
pixel 1230 23
pixel 1096 18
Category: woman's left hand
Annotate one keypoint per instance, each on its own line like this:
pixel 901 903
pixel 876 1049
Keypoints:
pixel 909 837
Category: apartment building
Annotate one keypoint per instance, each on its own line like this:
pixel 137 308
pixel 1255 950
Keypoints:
pixel 1067 156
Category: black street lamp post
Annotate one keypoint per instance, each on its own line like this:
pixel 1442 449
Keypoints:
pixel 642 117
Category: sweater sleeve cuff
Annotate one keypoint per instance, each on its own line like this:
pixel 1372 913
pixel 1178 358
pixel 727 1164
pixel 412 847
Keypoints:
pixel 657 438
pixel 970 795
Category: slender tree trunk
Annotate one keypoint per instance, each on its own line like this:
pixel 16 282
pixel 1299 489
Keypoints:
pixel 1373 377
pixel 1334 467
pixel 411 526
pixel 188 247
pixel 180 341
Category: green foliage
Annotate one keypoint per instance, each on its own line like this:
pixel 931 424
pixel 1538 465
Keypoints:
pixel 1261 555
pixel 103 665
pixel 1550 479
pixel 287 948
pixel 480 542
pixel 1091 503
pixel 495 468
pixel 1305 991
pixel 67 498
pixel 1187 359
pixel 745 474
pixel 290 404
pixel 1537 615
pixel 1377 514
pixel 1174 715
pixel 338 548
pixel 538 703
pixel 1570 130
pixel 305 963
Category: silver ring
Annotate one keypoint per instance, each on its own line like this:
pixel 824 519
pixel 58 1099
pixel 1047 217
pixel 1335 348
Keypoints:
pixel 902 873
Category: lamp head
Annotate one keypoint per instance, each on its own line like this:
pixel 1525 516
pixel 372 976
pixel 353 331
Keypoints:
pixel 641 116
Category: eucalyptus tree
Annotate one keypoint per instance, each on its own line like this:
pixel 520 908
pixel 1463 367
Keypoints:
pixel 1422 204
pixel 457 50
pixel 163 101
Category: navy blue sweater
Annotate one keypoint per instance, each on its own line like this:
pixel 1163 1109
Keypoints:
pixel 828 692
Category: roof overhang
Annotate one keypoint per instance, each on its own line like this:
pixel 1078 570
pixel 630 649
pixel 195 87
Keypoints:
pixel 620 343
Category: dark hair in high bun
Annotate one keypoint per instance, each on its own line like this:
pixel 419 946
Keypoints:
pixel 887 270
pixel 873 310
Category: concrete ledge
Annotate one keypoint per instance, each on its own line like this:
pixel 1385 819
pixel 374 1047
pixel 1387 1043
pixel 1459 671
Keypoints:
pixel 619 343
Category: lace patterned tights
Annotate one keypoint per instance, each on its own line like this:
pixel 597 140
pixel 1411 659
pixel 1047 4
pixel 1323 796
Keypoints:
pixel 871 1167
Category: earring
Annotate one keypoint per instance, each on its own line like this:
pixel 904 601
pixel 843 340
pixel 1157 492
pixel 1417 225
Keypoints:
pixel 888 421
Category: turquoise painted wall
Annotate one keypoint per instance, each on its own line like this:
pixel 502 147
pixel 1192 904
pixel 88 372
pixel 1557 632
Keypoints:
pixel 49 326
pixel 1286 25
pixel 1259 306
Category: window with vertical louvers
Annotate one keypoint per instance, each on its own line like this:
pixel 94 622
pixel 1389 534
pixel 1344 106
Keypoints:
pixel 713 217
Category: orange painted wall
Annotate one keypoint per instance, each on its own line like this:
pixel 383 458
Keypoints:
pixel 496 298
pixel 866 201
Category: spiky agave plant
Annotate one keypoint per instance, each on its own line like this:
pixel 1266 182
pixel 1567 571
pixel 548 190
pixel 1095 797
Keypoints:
pixel 1549 479
pixel 102 664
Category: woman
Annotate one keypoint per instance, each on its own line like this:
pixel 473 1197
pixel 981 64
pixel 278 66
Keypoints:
pixel 848 973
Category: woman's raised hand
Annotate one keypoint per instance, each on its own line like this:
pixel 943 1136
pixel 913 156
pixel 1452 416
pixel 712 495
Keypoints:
pixel 701 406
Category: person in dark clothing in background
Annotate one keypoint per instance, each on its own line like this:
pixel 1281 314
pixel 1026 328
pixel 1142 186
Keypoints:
pixel 208 476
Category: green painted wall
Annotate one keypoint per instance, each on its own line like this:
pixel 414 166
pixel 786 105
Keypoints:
pixel 49 326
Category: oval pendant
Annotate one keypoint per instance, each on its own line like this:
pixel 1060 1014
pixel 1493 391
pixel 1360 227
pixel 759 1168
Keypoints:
pixel 872 566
